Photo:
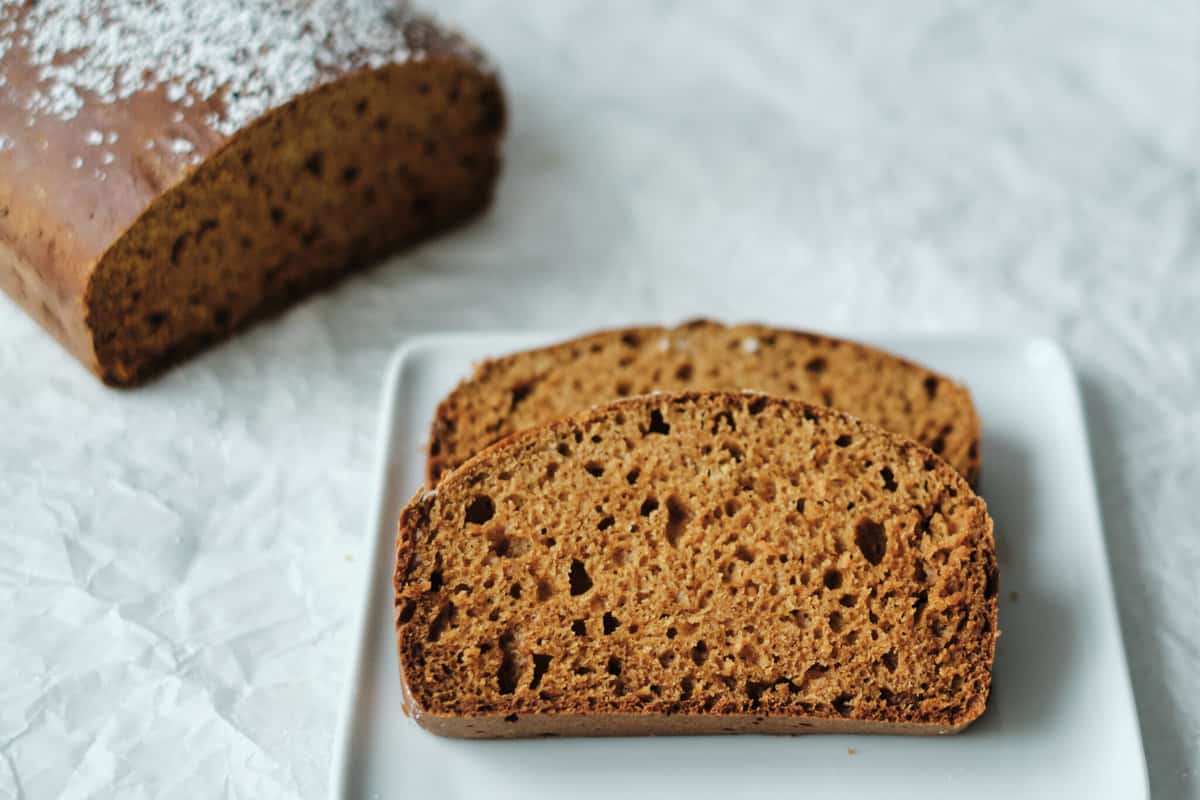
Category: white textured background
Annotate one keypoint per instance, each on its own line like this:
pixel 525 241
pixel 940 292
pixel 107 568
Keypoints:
pixel 177 565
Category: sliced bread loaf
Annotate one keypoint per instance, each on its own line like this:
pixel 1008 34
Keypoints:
pixel 173 170
pixel 697 563
pixel 509 394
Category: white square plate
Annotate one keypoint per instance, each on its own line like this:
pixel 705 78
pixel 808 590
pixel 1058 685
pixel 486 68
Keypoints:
pixel 1061 721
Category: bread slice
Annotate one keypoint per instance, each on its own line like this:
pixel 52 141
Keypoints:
pixel 509 394
pixel 697 563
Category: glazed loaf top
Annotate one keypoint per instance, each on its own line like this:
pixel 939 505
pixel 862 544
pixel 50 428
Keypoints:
pixel 104 106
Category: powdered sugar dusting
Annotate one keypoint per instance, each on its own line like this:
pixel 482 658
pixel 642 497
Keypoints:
pixel 242 57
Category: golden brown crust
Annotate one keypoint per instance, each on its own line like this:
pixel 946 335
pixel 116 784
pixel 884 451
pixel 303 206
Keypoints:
pixel 137 231
pixel 892 598
pixel 507 394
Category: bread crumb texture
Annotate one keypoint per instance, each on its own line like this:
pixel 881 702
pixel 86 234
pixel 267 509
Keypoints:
pixel 509 394
pixel 698 556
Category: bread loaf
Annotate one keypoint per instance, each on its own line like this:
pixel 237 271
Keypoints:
pixel 171 170
pixel 518 391
pixel 697 563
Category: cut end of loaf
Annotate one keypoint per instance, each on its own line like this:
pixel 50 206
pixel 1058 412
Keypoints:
pixel 660 563
pixel 508 394
pixel 308 193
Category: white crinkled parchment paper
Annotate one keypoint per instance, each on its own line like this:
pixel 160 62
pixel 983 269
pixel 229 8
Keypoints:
pixel 177 563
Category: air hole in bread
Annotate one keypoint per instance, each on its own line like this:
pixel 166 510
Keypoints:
pixel 579 627
pixel 684 373
pixel 624 389
pixel 678 516
pixel 835 622
pixel 700 653
pixel 594 468
pixel 614 666
pixel 800 506
pixel 921 600
pixel 658 424
pixel 735 452
pixel 633 475
pixel 519 394
pixel 756 406
pixel 847 600
pixel 649 505
pixel 435 580
pixel 841 704
pixel 510 669
pixel 816 365
pixel 606 523
pixel 580 581
pixel 406 613
pixel 890 661
pixel 315 164
pixel 630 339
pixel 501 544
pixel 889 479
pixel 514 591
pixel 725 417
pixel 541 663
pixel 442 621
pixel 843 441
pixel 744 553
pixel 833 579
pixel 610 623
pixel 931 387
pixel 480 510
pixel 871 539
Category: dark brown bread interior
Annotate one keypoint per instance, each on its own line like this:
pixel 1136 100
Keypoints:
pixel 508 394
pixel 289 207
pixel 697 563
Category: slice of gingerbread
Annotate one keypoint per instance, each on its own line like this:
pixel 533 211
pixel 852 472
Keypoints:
pixel 697 563
pixel 508 394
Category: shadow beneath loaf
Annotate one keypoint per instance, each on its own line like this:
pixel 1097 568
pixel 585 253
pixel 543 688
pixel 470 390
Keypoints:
pixel 1039 632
